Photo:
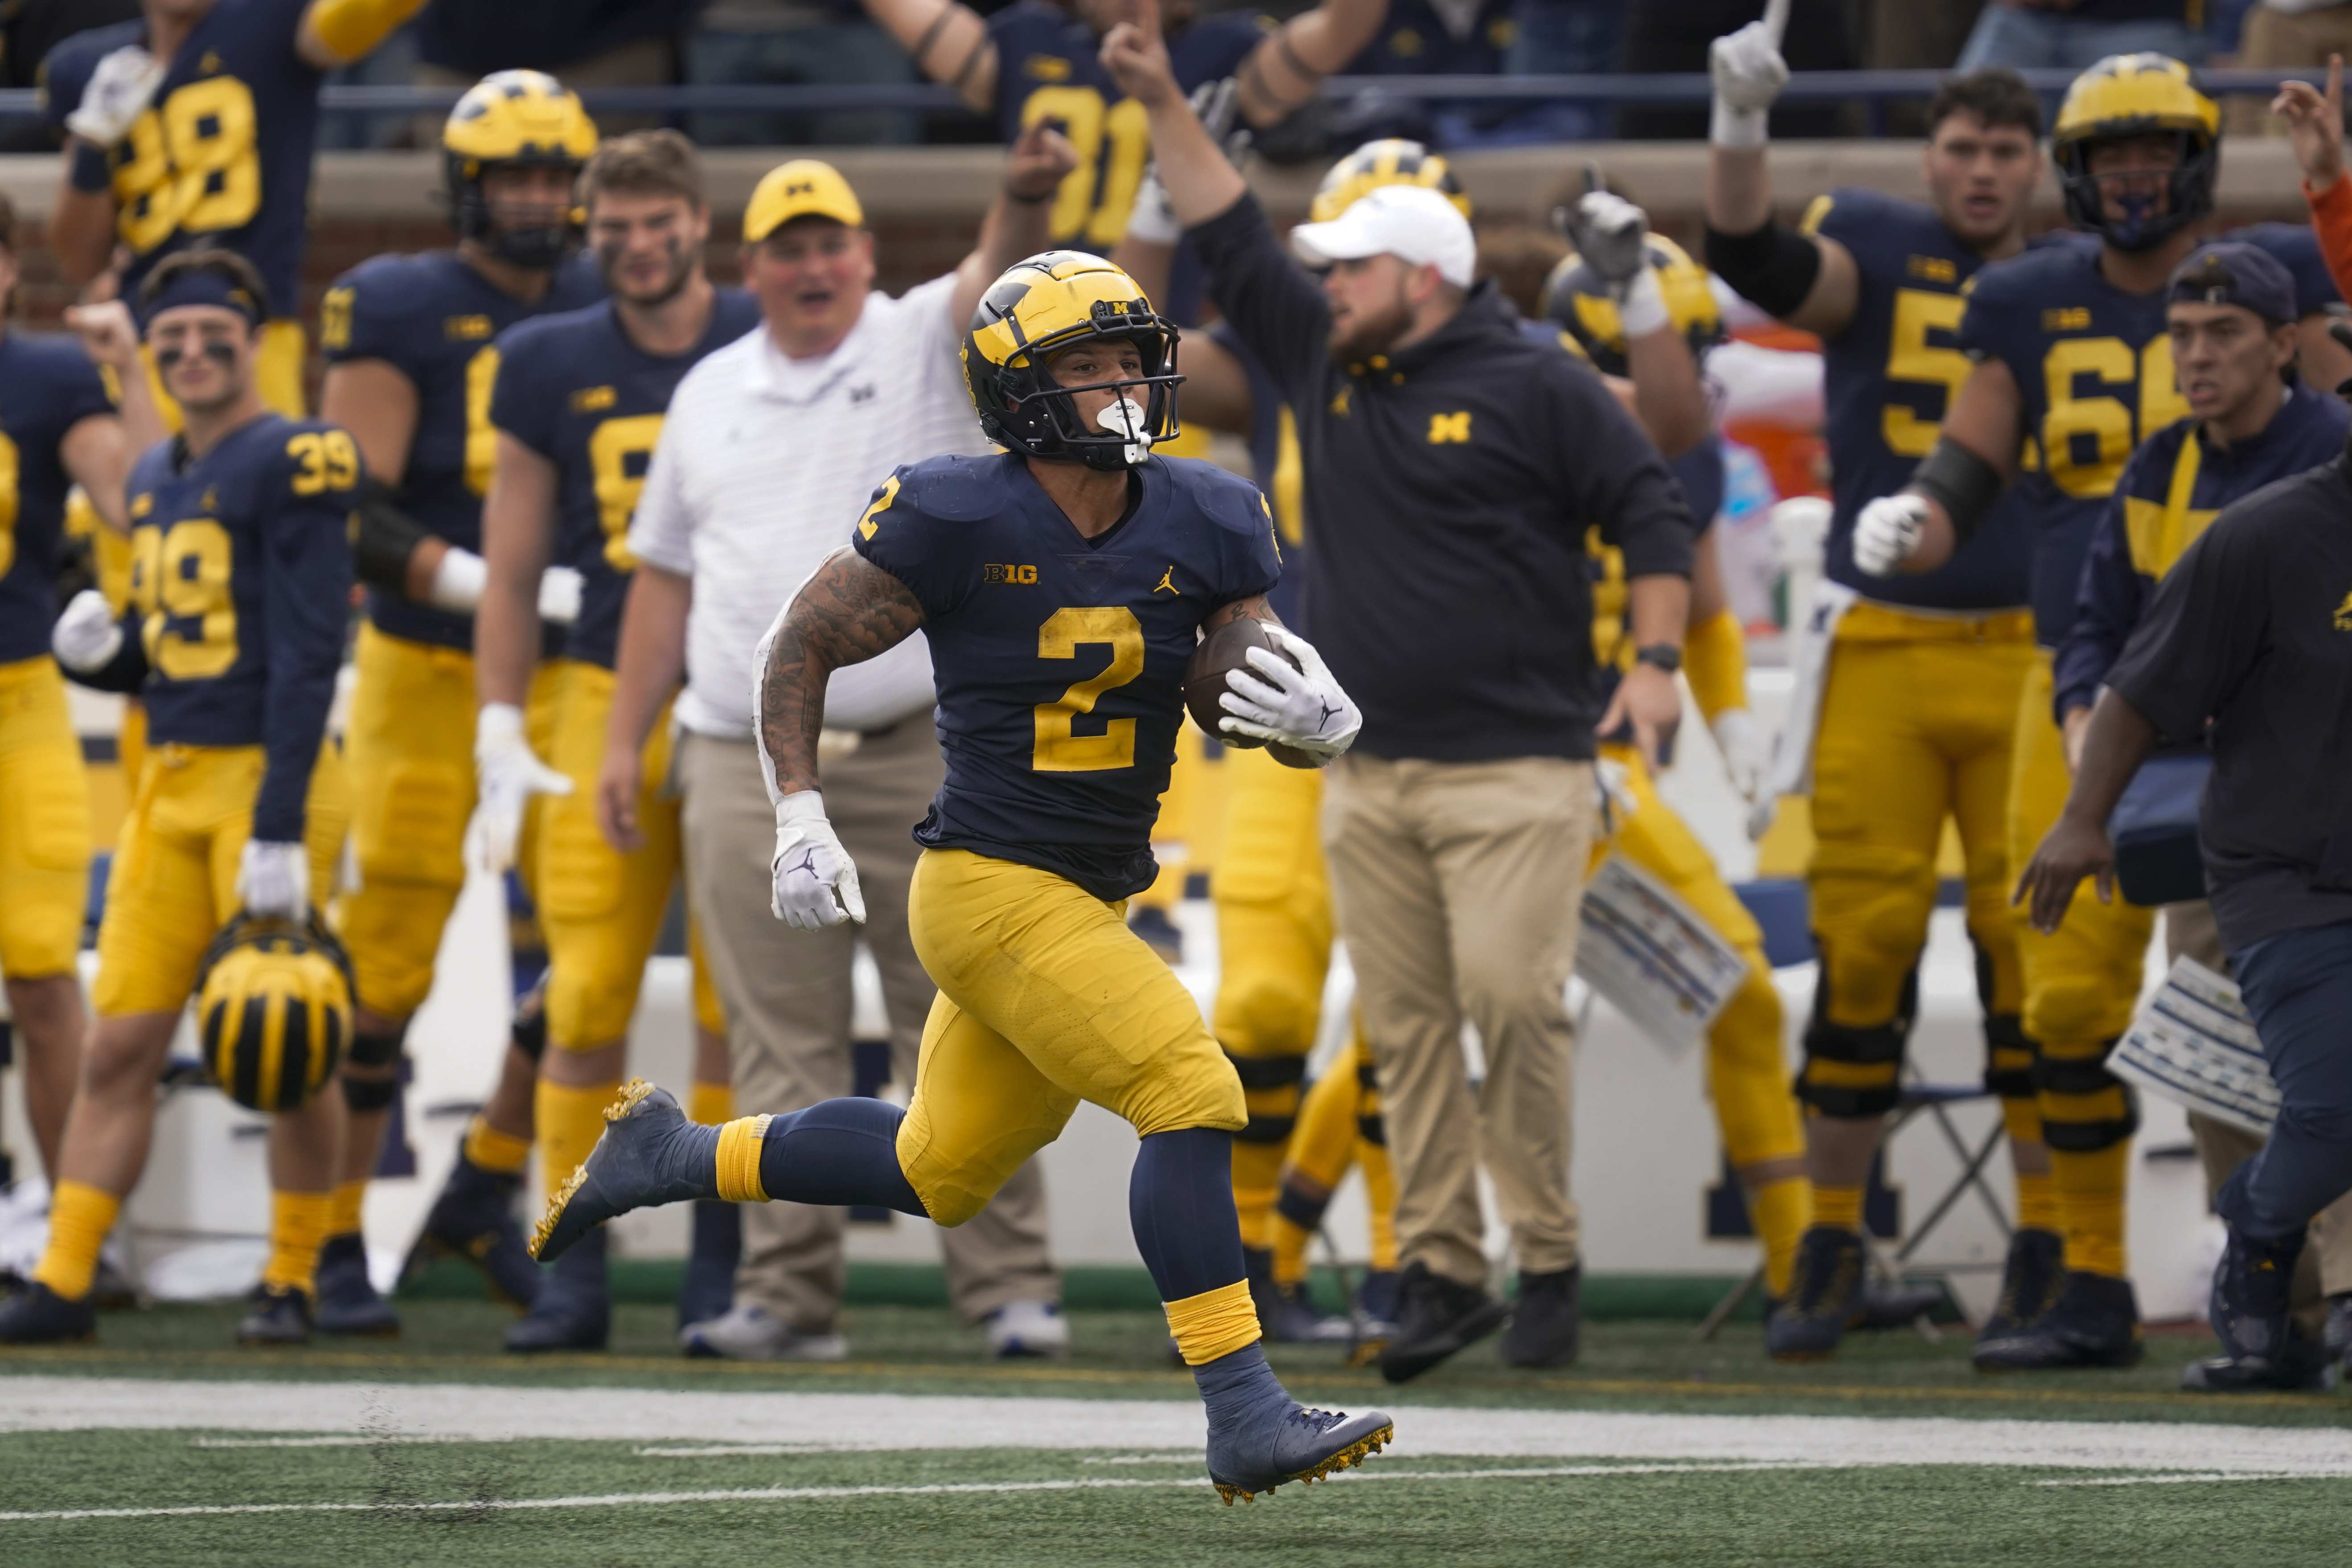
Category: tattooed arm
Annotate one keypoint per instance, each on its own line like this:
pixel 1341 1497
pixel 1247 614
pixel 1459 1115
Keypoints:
pixel 851 611
pixel 1254 608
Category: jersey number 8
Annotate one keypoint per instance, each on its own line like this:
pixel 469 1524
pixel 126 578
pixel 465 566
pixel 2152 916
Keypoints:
pixel 191 167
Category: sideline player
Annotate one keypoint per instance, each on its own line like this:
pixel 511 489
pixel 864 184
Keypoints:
pixel 2070 349
pixel 410 356
pixel 1921 694
pixel 577 404
pixel 241 576
pixel 58 428
pixel 195 125
pixel 1057 760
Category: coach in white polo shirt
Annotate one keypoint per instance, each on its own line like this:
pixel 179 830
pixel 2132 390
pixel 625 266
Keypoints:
pixel 771 449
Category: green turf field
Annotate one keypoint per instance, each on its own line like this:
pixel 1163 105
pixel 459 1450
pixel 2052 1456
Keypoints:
pixel 162 1444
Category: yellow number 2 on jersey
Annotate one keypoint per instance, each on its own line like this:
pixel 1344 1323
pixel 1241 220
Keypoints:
pixel 329 460
pixel 1060 749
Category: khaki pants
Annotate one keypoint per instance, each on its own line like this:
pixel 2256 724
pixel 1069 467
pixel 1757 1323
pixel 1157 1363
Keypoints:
pixel 2326 1266
pixel 787 995
pixel 1456 886
pixel 2284 40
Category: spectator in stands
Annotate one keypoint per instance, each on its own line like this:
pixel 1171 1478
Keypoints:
pixel 2071 35
pixel 1902 35
pixel 1663 36
pixel 1484 37
pixel 589 43
pixel 799 42
pixel 2285 34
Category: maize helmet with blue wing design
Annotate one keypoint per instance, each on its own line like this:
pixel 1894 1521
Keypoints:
pixel 514 118
pixel 1391 161
pixel 1037 309
pixel 1577 297
pixel 2126 96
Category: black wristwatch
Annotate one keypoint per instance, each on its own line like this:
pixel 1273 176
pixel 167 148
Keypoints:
pixel 1666 656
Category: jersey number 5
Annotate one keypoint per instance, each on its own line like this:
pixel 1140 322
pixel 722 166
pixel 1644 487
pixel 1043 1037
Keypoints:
pixel 1060 749
pixel 1911 358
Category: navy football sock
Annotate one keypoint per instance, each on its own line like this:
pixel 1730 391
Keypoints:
pixel 837 1152
pixel 1239 1390
pixel 1179 1201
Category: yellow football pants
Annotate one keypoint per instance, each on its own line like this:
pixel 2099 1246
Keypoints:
pixel 2082 980
pixel 172 884
pixel 1747 1066
pixel 1917 722
pixel 411 760
pixel 1046 999
pixel 45 824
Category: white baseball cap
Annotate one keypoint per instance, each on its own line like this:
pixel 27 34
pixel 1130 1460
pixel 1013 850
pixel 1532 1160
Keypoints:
pixel 1412 222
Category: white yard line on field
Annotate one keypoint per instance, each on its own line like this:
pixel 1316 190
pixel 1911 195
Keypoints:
pixel 461 1412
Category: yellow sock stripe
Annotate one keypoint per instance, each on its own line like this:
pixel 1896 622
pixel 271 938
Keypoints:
pixel 80 1217
pixel 711 1104
pixel 1715 662
pixel 494 1151
pixel 350 1201
pixel 1213 1323
pixel 297 1226
pixel 738 1160
pixel 1780 1211
pixel 2037 1203
pixel 1840 1208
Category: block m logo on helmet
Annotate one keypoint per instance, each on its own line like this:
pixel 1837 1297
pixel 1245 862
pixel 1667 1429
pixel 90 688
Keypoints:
pixel 1043 307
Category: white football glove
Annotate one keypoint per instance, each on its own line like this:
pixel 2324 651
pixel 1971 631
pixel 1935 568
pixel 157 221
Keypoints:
pixel 1887 531
pixel 1749 75
pixel 1302 708
pixel 1152 219
pixel 559 595
pixel 117 95
pixel 458 581
pixel 815 884
pixel 508 775
pixel 1742 745
pixel 273 879
pixel 87 637
pixel 1608 231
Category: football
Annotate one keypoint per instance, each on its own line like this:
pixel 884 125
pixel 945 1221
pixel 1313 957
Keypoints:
pixel 1226 648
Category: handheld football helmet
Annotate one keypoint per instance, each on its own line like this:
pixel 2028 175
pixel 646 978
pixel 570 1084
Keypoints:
pixel 273 1010
pixel 2139 95
pixel 1391 161
pixel 1052 301
pixel 1576 297
pixel 514 118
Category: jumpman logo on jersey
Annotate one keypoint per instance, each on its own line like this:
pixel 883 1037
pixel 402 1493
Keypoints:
pixel 1168 579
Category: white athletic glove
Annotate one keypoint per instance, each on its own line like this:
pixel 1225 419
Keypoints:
pixel 815 883
pixel 1749 75
pixel 273 879
pixel 1152 220
pixel 87 637
pixel 1742 745
pixel 1608 231
pixel 117 95
pixel 1301 708
pixel 508 775
pixel 1887 531
pixel 559 595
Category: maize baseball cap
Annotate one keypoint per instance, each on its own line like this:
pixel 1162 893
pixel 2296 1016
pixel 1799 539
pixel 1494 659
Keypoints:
pixel 1412 222
pixel 801 188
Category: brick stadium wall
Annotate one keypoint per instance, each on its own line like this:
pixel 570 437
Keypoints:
pixel 925 203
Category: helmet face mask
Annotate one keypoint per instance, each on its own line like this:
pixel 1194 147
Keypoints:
pixel 512 119
pixel 1041 308
pixel 2126 98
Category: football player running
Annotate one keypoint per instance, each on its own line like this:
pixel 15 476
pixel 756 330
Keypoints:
pixel 1919 696
pixel 1063 585
pixel 241 576
pixel 2071 352
pixel 409 358
pixel 195 125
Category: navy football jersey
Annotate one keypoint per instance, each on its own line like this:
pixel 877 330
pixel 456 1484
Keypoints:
pixel 574 389
pixel 240 594
pixel 47 385
pixel 1889 377
pixel 436 320
pixel 221 156
pixel 1059 658
pixel 1049 66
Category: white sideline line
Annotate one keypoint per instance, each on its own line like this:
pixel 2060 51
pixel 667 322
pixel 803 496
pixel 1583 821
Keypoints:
pixel 1183 1457
pixel 807 1494
pixel 735 1450
pixel 343 1442
pixel 2188 1478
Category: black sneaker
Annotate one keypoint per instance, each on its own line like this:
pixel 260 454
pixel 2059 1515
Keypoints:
pixel 38 1316
pixel 2250 1304
pixel 575 1309
pixel 1544 1320
pixel 473 1217
pixel 278 1316
pixel 2303 1366
pixel 347 1300
pixel 1825 1293
pixel 1436 1318
pixel 2030 1282
pixel 2093 1322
